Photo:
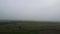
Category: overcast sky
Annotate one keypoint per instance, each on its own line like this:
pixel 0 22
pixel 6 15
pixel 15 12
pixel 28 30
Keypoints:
pixel 38 10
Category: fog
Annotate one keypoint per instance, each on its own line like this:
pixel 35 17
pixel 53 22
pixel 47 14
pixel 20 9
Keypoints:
pixel 36 10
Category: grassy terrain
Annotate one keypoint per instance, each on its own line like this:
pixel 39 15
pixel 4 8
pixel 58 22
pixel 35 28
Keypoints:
pixel 29 27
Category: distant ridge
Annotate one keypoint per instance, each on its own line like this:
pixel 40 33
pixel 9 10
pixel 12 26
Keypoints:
pixel 3 22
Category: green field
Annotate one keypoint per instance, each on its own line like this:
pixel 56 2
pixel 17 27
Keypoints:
pixel 27 27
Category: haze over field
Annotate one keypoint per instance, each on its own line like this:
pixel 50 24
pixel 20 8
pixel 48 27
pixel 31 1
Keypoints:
pixel 36 10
